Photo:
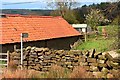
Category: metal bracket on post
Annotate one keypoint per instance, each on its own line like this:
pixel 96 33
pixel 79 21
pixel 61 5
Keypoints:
pixel 23 35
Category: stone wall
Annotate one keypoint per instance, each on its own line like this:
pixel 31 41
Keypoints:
pixel 41 59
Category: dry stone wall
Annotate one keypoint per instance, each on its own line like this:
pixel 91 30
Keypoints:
pixel 41 59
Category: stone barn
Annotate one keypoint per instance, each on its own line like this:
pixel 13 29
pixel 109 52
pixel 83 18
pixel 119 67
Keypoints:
pixel 43 31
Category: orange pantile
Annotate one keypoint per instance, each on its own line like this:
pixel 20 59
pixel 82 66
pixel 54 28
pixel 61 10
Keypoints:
pixel 38 28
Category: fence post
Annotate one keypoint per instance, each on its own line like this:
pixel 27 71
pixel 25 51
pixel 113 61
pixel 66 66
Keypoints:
pixel 7 59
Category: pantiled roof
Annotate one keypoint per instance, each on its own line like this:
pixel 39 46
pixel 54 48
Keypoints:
pixel 38 28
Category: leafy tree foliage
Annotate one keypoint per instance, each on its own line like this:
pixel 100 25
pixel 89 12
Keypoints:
pixel 94 18
pixel 64 9
pixel 69 16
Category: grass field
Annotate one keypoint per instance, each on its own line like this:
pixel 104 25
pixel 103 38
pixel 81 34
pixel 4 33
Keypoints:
pixel 100 44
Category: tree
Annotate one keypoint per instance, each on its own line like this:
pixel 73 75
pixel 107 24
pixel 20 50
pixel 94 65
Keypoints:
pixel 94 18
pixel 64 9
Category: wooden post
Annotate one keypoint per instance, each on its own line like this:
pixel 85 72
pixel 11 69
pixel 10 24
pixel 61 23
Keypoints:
pixel 85 34
pixel 8 58
pixel 14 47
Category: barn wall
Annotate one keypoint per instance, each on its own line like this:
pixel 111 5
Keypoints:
pixel 60 43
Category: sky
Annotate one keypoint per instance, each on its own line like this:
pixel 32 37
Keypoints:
pixel 39 4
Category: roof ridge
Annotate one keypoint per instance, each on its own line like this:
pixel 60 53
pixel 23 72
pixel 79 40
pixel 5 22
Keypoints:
pixel 31 16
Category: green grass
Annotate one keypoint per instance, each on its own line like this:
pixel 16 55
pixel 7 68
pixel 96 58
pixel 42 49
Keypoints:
pixel 100 44
pixel 2 62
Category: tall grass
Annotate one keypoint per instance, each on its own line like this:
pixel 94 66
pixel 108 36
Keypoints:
pixel 14 72
pixel 80 72
pixel 54 72
pixel 20 74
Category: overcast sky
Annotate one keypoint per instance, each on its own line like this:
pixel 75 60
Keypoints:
pixel 38 4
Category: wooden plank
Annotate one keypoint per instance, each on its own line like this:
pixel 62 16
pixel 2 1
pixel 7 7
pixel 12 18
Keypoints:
pixel 7 56
pixel 3 54
pixel 3 59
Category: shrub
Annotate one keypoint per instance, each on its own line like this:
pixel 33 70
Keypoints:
pixel 80 72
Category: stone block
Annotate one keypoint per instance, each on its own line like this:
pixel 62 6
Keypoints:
pixel 46 66
pixel 113 71
pixel 75 64
pixel 39 54
pixel 86 53
pixel 43 64
pixel 113 64
pixel 39 49
pixel 36 60
pixel 96 54
pixel 92 52
pixel 116 67
pixel 102 65
pixel 101 57
pixel 70 67
pixel 93 64
pixel 101 61
pixel 98 74
pixel 110 75
pixel 45 49
pixel 83 63
pixel 36 67
pixel 28 48
pixel 58 52
pixel 108 63
pixel 30 67
pixel 44 69
pixel 105 70
pixel 82 59
pixel 25 63
pixel 40 57
pixel 31 59
pixel 116 60
pixel 68 63
pixel 94 68
pixel 32 64
pixel 33 56
pixel 47 57
pixel 93 60
pixel 108 56
pixel 48 53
